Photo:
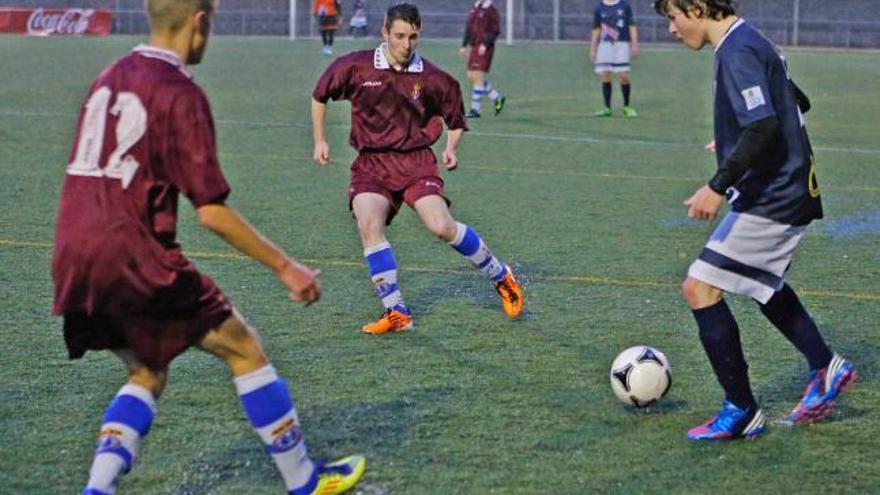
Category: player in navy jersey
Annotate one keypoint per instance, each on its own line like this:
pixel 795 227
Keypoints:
pixel 399 103
pixel 122 283
pixel 614 41
pixel 767 172
pixel 481 30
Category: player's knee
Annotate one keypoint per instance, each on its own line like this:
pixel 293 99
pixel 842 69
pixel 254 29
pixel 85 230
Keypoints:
pixel 152 380
pixel 443 228
pixel 699 294
pixel 236 343
pixel 371 229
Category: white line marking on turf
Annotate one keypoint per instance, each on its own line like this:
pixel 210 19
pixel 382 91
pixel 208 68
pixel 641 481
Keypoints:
pixel 584 279
pixel 500 135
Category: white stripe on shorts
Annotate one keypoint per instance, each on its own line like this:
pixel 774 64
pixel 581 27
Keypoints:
pixel 612 57
pixel 747 255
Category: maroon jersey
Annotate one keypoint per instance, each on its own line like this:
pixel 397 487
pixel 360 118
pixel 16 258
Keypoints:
pixel 145 134
pixel 483 25
pixel 390 110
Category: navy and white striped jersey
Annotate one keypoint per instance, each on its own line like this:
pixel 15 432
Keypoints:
pixel 752 83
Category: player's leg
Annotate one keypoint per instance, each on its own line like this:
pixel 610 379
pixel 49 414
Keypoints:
pixel 127 421
pixel 830 374
pixel 625 89
pixel 271 411
pixel 606 78
pixel 621 66
pixel 371 212
pixel 325 42
pixel 434 213
pixel 498 100
pixel 477 79
pixel 719 334
pixel 603 67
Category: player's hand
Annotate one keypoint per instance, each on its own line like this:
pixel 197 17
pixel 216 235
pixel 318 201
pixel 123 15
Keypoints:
pixel 322 153
pixel 704 204
pixel 710 146
pixel 301 281
pixel 634 51
pixel 593 54
pixel 462 51
pixel 450 160
pixel 481 50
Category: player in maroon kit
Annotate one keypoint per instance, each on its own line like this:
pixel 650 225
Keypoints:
pixel 482 29
pixel 145 135
pixel 399 102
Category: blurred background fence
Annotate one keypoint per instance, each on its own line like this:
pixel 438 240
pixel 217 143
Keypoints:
pixel 838 23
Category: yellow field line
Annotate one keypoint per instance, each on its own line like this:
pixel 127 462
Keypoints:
pixel 582 279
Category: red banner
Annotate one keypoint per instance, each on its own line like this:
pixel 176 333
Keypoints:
pixel 45 22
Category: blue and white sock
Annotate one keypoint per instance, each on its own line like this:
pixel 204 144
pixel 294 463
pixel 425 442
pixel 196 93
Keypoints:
pixel 383 272
pixel 477 97
pixel 271 412
pixel 468 243
pixel 490 90
pixel 126 422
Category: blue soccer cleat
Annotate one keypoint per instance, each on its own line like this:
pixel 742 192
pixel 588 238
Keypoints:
pixel 823 389
pixel 730 423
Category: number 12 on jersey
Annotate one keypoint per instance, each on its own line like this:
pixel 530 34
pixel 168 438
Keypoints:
pixel 130 128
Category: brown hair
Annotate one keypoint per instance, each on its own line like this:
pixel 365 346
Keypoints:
pixel 172 14
pixel 711 9
pixel 406 12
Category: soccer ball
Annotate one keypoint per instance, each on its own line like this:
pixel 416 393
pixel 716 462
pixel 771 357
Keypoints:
pixel 640 375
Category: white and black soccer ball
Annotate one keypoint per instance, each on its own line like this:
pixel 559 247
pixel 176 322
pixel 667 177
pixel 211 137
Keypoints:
pixel 640 375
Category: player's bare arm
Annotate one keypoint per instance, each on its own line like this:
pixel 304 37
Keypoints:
pixel 633 41
pixel 453 137
pixel 321 154
pixel 749 149
pixel 594 43
pixel 300 280
pixel 704 204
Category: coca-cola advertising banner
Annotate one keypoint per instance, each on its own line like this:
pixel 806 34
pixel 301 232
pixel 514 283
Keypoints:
pixel 45 22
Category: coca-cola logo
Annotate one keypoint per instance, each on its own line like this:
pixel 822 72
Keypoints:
pixel 69 21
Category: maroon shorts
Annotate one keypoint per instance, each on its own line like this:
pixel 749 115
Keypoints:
pixel 155 338
pixel 478 62
pixel 399 177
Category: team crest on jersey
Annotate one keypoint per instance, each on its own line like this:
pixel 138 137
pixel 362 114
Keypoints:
pixel 417 90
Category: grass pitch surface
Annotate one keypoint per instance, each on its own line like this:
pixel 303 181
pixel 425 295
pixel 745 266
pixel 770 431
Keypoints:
pixel 587 210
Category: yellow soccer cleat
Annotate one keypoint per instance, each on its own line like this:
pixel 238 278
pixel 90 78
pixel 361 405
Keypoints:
pixel 511 294
pixel 337 477
pixel 392 320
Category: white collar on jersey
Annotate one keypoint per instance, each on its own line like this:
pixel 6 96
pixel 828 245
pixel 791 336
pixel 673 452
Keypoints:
pixel 483 3
pixel 380 61
pixel 164 55
pixel 739 22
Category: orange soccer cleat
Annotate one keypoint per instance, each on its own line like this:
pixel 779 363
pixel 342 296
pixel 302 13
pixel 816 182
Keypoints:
pixel 392 320
pixel 511 294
